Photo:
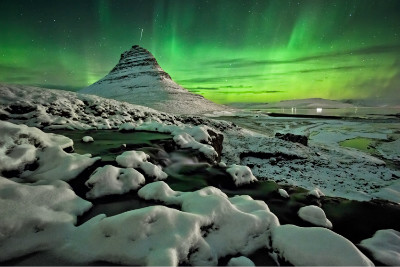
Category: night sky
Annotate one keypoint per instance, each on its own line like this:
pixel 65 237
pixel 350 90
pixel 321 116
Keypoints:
pixel 226 50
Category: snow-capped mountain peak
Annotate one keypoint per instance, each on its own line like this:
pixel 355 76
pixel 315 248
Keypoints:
pixel 139 79
pixel 136 60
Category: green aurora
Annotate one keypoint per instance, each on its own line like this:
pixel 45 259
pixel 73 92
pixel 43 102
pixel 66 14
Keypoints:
pixel 225 50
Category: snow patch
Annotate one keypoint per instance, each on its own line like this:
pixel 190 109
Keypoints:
pixel 206 229
pixel 316 246
pixel 240 261
pixel 87 139
pixel 282 192
pixel 109 180
pixel 36 217
pixel 391 192
pixel 390 150
pixel 129 126
pixel 132 159
pixel 152 236
pixel 314 215
pixel 138 159
pixel 185 136
pixel 33 155
pixel 220 218
pixel 316 193
pixel 241 174
pixel 57 109
pixel 384 246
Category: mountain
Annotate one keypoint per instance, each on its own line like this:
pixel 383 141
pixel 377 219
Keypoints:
pixel 308 103
pixel 138 79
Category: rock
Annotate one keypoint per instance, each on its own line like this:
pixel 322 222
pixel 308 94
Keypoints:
pixel 294 138
pixel 216 142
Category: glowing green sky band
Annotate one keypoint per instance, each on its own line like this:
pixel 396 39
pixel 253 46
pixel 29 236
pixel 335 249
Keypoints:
pixel 226 50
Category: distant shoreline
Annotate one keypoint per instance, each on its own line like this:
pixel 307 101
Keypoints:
pixel 381 116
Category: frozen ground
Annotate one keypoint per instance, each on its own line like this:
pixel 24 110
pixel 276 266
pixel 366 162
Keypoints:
pixel 172 226
pixel 324 164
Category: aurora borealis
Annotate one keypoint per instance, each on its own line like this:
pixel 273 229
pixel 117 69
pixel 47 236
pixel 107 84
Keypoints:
pixel 226 50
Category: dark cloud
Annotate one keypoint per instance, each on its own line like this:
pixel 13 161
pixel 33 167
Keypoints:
pixel 14 71
pixel 267 76
pixel 219 87
pixel 201 88
pixel 241 63
pixel 60 87
pixel 18 79
pixel 254 92
pixel 222 79
pixel 236 86
pixel 258 92
pixel 340 68
pixel 388 89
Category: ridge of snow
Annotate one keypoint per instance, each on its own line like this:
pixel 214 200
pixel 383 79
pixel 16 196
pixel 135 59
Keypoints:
pixel 57 109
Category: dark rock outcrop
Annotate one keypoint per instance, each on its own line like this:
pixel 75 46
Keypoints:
pixel 294 138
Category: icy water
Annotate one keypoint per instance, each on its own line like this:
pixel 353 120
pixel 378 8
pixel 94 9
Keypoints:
pixel 360 143
pixel 352 219
pixel 109 143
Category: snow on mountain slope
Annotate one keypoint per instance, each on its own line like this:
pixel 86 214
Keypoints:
pixel 138 79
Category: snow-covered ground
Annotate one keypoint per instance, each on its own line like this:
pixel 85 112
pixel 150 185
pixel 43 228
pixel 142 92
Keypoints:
pixel 323 164
pixel 334 170
pixel 30 155
pixel 36 216
pixel 197 227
